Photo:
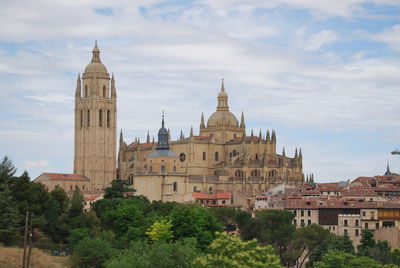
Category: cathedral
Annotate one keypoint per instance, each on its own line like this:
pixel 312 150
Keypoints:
pixel 221 158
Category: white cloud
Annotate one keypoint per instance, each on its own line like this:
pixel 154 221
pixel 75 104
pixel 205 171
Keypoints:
pixel 390 36
pixel 36 164
pixel 315 41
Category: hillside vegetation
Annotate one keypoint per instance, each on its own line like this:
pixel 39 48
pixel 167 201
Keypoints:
pixel 12 257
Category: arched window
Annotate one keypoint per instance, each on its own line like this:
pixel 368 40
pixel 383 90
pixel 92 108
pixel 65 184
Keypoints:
pixel 272 174
pixel 104 92
pixel 256 156
pixel 162 168
pixel 239 173
pixel 210 189
pixel 88 118
pixel 216 156
pixel 130 179
pixel 204 155
pixel 81 118
pixel 174 168
pixel 175 186
pixel 108 118
pixel 86 91
pixel 100 118
pixel 234 152
pixel 195 189
pixel 255 173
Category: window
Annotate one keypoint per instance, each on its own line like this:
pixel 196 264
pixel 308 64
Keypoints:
pixel 100 118
pixel 130 179
pixel 88 118
pixel 364 213
pixel 255 173
pixel 204 155
pixel 356 232
pixel 214 202
pixel 345 232
pixel 210 190
pixel 108 118
pixel 234 153
pixel 302 213
pixel 302 222
pixel 104 92
pixel 195 189
pixel 295 222
pixel 216 156
pixel 174 168
pixel 366 225
pixel 86 91
pixel 357 223
pixel 309 222
pixel 81 118
pixel 223 202
pixel 345 223
pixel 295 212
pixel 162 168
pixel 182 157
pixel 239 173
pixel 175 186
pixel 372 215
pixel 377 225
pixel 309 213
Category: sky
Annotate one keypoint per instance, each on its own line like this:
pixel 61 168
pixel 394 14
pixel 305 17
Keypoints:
pixel 325 75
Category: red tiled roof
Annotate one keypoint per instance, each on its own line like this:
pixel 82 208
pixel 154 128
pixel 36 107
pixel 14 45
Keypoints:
pixel 92 197
pixel 66 177
pixel 200 195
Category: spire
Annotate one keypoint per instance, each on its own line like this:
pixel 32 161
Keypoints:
pixel 268 137
pixel 388 172
pixel 96 54
pixel 148 137
pixel 273 138
pixel 252 133
pixel 242 124
pixel 162 121
pixel 222 99
pixel 202 125
pixel 181 136
pixel 163 136
pixel 78 87
pixel 113 90
pixel 300 154
pixel 191 131
pixel 260 134
pixel 283 151
pixel 121 137
pixel 153 141
pixel 295 153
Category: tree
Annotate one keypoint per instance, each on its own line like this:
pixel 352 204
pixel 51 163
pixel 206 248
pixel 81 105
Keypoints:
pixel 161 231
pixel 126 218
pixel 158 254
pixel 59 195
pixel 77 235
pixel 306 239
pixel 194 221
pixel 8 219
pixel 7 170
pixel 381 252
pixel 367 243
pixel 339 259
pixel 77 204
pixel 225 215
pixel 91 253
pixel 118 189
pixel 231 252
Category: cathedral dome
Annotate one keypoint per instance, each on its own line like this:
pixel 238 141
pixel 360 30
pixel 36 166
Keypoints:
pixel 95 66
pixel 222 118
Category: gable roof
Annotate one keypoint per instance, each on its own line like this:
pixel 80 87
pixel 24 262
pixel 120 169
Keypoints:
pixel 65 177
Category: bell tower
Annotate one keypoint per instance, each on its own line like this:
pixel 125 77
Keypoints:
pixel 95 124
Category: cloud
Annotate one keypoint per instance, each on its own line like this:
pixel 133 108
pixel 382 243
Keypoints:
pixel 391 37
pixel 36 164
pixel 316 41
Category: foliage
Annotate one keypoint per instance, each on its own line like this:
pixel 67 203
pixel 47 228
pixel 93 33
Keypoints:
pixel 333 242
pixel 194 221
pixel 161 231
pixel 230 251
pixel 125 218
pixel 225 215
pixel 7 170
pixel 77 235
pixel 118 189
pixel 91 253
pixel 159 254
pixel 339 259
pixel 77 204
pixel 8 219
pixel 367 243
pixel 381 252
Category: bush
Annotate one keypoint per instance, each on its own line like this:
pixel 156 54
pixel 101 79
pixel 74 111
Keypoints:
pixel 92 253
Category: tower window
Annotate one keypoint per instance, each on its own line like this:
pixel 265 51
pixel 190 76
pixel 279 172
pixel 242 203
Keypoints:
pixel 81 118
pixel 204 155
pixel 88 118
pixel 104 92
pixel 108 118
pixel 100 118
pixel 174 169
pixel 216 156
pixel 162 168
pixel 86 91
pixel 175 186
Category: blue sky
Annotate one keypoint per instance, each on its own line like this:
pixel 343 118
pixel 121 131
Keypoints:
pixel 324 74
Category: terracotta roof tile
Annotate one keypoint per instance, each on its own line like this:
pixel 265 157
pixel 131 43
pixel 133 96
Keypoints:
pixel 221 195
pixel 66 177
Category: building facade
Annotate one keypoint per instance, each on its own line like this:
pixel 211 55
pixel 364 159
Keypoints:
pixel 221 158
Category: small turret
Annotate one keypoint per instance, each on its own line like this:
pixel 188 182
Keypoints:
pixel 113 90
pixel 273 138
pixel 242 124
pixel 295 153
pixel 121 138
pixel 202 124
pixel 78 92
pixel 268 139
pixel 388 172
pixel 181 136
pixel 191 131
pixel 260 135
pixel 252 133
pixel 283 152
pixel 148 137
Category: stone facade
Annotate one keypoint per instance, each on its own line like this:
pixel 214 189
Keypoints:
pixel 68 182
pixel 95 124
pixel 221 158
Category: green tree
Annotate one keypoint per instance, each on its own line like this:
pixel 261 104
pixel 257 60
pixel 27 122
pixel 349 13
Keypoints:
pixel 225 215
pixel 77 204
pixel 231 252
pixel 194 221
pixel 8 219
pixel 77 235
pixel 339 259
pixel 126 218
pixel 118 189
pixel 59 195
pixel 91 252
pixel 161 231
pixel 367 243
pixel 7 170
pixel 381 252
pixel 158 254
